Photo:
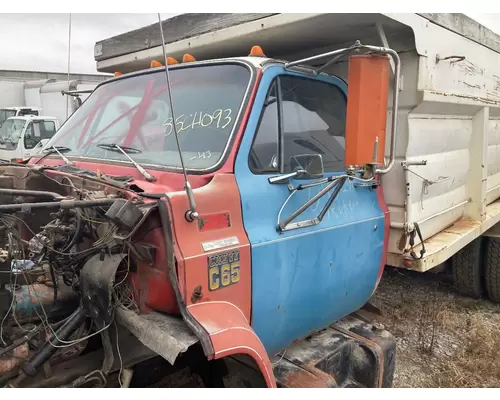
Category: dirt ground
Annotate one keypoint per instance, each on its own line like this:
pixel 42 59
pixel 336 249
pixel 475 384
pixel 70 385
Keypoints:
pixel 444 339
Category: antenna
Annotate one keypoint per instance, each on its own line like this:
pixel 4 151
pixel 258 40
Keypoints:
pixel 191 214
pixel 69 61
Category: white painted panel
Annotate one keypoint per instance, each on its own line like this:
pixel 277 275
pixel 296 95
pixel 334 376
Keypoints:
pixel 11 94
pixel 493 182
pixel 32 96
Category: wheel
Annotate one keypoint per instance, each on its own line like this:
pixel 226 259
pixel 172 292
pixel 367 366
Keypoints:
pixel 467 268
pixel 492 270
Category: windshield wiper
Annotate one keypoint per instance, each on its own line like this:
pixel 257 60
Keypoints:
pixel 124 150
pixel 56 149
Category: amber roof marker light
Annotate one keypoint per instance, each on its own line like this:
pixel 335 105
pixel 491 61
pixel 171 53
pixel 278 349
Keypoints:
pixel 156 64
pixel 188 58
pixel 256 51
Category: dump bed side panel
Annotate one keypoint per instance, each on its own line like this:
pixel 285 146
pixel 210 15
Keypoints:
pixel 454 129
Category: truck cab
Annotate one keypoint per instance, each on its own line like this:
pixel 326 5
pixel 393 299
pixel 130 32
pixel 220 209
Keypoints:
pixel 22 137
pixel 277 227
pixel 7 112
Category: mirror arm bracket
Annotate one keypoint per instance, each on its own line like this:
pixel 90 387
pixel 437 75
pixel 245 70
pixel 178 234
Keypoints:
pixel 322 181
pixel 286 225
pixel 284 179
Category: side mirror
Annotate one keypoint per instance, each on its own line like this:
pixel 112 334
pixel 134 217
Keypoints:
pixel 304 167
pixel 307 166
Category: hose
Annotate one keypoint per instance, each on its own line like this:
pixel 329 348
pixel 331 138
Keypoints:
pixel 54 281
pixel 20 341
pixel 29 336
pixel 13 372
pixel 77 231
pixel 6 377
pixel 32 366
pixel 64 204
pixel 34 193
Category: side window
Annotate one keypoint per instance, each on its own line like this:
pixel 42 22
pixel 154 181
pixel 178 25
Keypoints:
pixel 264 151
pixel 27 111
pixel 314 121
pixel 314 115
pixel 47 129
pixel 37 131
pixel 30 139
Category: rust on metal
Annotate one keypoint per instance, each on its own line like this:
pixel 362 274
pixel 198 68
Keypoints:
pixel 14 358
pixel 368 312
pixel 370 344
pixel 216 221
pixel 303 379
pixel 448 241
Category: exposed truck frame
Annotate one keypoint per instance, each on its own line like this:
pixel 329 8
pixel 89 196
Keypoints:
pixel 445 195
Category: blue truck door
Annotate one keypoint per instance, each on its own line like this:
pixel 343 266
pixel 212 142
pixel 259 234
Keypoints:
pixel 306 278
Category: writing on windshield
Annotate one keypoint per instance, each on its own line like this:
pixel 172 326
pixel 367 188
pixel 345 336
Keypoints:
pixel 135 112
pixel 219 119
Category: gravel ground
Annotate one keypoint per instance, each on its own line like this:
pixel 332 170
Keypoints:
pixel 444 339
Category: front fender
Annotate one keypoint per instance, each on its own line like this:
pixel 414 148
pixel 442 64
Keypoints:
pixel 230 333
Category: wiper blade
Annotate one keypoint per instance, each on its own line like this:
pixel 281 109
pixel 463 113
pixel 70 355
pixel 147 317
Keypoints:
pixel 125 150
pixel 68 162
pixel 58 150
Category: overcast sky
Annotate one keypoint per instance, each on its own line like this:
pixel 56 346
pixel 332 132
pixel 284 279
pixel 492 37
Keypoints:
pixel 40 41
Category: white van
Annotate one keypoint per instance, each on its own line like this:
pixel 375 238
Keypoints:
pixel 23 137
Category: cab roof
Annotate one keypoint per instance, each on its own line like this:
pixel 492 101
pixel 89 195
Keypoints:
pixel 20 108
pixel 255 61
pixel 34 117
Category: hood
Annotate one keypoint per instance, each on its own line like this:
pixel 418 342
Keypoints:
pixel 128 177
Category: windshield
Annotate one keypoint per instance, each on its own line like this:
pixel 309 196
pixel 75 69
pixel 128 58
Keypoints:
pixel 4 114
pixel 135 112
pixel 10 132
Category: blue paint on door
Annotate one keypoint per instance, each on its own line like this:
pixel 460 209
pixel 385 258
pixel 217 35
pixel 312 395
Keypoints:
pixel 307 278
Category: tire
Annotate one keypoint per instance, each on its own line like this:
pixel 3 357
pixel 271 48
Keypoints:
pixel 492 270
pixel 467 267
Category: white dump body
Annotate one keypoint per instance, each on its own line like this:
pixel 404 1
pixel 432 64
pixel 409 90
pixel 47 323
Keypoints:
pixel 11 94
pixel 32 91
pixel 45 94
pixel 54 103
pixel 449 110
